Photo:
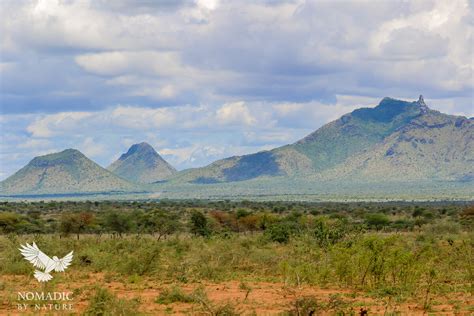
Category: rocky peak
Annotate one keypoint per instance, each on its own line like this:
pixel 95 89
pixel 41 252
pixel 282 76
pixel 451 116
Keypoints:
pixel 421 102
pixel 141 148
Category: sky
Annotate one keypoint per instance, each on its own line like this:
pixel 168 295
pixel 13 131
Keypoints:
pixel 207 79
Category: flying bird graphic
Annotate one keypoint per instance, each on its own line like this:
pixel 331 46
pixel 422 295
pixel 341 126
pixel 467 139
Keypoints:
pixel 40 260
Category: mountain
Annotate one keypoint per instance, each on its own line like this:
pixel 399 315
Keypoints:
pixel 406 140
pixel 142 164
pixel 68 171
pixel 432 146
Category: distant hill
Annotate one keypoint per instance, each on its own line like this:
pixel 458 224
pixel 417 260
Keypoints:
pixel 406 140
pixel 68 171
pixel 142 164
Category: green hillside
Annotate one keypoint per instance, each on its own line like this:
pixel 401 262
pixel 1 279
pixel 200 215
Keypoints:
pixel 356 132
pixel 346 147
pixel 433 146
pixel 68 171
pixel 142 164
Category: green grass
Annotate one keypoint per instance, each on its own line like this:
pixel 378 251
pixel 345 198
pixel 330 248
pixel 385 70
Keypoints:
pixel 338 246
pixel 386 264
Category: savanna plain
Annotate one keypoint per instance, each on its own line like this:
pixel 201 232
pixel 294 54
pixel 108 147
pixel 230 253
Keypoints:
pixel 244 258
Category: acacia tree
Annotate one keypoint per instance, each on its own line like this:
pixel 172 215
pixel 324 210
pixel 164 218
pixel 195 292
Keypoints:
pixel 199 224
pixel 118 222
pixel 377 220
pixel 66 224
pixel 160 223
pixel 76 223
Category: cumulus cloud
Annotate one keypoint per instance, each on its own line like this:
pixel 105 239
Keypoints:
pixel 35 143
pixel 64 122
pixel 90 148
pixel 234 113
pixel 315 113
pixel 142 63
pixel 142 118
pixel 194 52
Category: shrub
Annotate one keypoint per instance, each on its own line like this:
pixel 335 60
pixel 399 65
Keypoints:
pixel 160 223
pixel 104 303
pixel 307 305
pixel 279 232
pixel 377 220
pixel 403 224
pixel 226 309
pixel 199 224
pixel 9 222
pixel 327 233
pixel 241 212
pixel 175 294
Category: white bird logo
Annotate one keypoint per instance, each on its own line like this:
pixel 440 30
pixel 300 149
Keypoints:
pixel 42 261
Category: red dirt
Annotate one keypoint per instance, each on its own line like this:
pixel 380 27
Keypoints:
pixel 264 298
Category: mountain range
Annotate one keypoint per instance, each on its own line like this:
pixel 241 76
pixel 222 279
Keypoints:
pixel 395 141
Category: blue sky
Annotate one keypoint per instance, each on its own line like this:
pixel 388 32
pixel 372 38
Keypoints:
pixel 206 79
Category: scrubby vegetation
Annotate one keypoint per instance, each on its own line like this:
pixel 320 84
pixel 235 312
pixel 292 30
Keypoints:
pixel 104 303
pixel 401 251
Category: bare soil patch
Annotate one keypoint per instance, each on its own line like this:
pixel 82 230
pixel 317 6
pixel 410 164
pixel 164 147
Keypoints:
pixel 248 298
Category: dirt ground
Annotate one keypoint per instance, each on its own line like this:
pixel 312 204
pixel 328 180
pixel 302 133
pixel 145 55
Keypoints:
pixel 255 298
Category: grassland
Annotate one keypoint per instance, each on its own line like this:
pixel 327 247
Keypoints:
pixel 232 258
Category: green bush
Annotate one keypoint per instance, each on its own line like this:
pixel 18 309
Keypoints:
pixel 175 294
pixel 377 220
pixel 199 224
pixel 104 303
pixel 328 233
pixel 9 222
pixel 118 222
pixel 279 232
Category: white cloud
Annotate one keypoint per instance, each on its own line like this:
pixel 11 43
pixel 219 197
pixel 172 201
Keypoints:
pixel 143 118
pixel 204 153
pixel 196 155
pixel 311 114
pixel 92 149
pixel 46 24
pixel 236 113
pixel 168 91
pixel 34 143
pixel 208 4
pixel 438 30
pixel 47 125
pixel 269 137
pixel 119 63
pixel 317 50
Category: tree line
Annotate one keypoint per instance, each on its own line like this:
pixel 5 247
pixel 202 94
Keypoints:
pixel 278 221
